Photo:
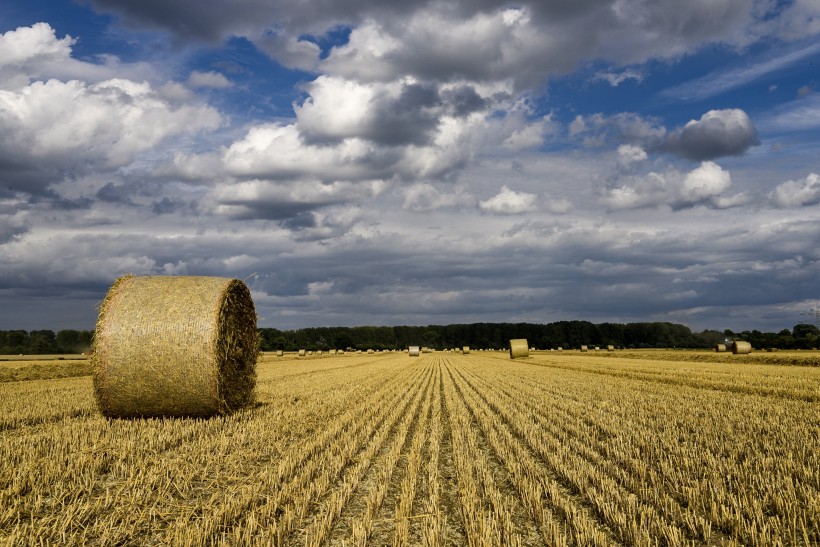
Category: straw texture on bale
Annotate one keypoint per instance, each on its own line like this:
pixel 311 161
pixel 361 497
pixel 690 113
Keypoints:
pixel 414 351
pixel 584 348
pixel 465 350
pixel 302 353
pixel 519 348
pixel 175 346
pixel 610 348
pixel 741 347
pixel 720 348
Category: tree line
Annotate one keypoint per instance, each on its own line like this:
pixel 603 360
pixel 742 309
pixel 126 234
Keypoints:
pixel 39 342
pixel 566 334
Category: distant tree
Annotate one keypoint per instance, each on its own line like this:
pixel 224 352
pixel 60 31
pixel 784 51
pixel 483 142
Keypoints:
pixel 803 330
pixel 73 341
pixel 42 341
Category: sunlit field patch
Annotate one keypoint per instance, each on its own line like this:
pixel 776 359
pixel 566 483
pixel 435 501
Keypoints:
pixel 559 448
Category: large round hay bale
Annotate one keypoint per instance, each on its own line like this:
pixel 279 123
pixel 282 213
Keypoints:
pixel 584 348
pixel 519 348
pixel 175 346
pixel 741 347
pixel 720 348
pixel 413 351
pixel 302 352
pixel 610 347
pixel 465 350
pixel 280 353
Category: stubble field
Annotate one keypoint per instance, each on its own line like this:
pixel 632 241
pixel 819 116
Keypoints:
pixel 443 449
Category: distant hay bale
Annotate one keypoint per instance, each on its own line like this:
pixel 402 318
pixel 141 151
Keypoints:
pixel 519 348
pixel 302 353
pixel 584 348
pixel 465 350
pixel 414 351
pixel 610 348
pixel 370 351
pixel 175 346
pixel 280 353
pixel 560 349
pixel 720 348
pixel 740 347
pixel 340 352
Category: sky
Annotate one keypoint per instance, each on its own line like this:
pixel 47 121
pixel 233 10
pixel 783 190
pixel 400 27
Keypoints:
pixel 420 162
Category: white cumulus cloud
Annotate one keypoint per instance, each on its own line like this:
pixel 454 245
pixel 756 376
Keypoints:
pixel 509 202
pixel 797 193
pixel 215 80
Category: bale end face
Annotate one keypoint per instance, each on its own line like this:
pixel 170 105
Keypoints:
pixel 175 346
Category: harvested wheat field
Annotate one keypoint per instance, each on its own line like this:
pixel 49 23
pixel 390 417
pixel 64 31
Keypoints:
pixel 440 449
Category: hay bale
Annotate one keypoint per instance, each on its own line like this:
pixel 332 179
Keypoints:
pixel 740 347
pixel 610 348
pixel 280 353
pixel 720 348
pixel 414 351
pixel 175 346
pixel 465 350
pixel 584 348
pixel 302 353
pixel 560 349
pixel 519 348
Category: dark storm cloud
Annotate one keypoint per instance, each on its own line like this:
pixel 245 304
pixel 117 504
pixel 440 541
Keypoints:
pixel 464 100
pixel 27 177
pixel 409 119
pixel 299 221
pixel 115 193
pixel 716 134
pixel 188 19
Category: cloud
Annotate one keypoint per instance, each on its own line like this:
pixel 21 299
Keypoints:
pixel 797 193
pixel 35 53
pixel 426 197
pixel 54 126
pixel 280 200
pixel 617 78
pixel 629 127
pixel 629 154
pixel 275 151
pixel 726 80
pixel 717 133
pixel 705 185
pixel 38 42
pixel 802 114
pixel 509 202
pixel 389 114
pixel 489 41
pixel 214 80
